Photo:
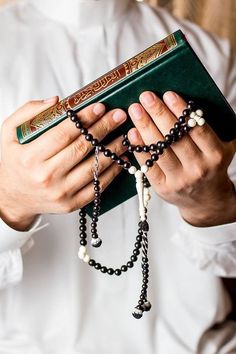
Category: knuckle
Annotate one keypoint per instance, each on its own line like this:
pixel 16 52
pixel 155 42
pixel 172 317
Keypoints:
pixel 218 159
pixel 61 137
pixel 27 160
pixel 159 109
pixel 43 179
pixel 200 172
pixel 79 148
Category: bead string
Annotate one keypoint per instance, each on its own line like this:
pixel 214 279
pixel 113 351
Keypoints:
pixel 190 118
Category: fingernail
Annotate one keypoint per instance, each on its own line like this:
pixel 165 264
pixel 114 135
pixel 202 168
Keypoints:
pixel 50 100
pixel 99 109
pixel 147 98
pixel 119 116
pixel 170 98
pixel 136 111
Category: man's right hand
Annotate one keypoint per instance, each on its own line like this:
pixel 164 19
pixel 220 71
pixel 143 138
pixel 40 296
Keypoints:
pixel 48 175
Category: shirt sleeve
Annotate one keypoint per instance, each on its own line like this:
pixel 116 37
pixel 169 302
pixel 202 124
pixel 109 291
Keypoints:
pixel 210 248
pixel 13 244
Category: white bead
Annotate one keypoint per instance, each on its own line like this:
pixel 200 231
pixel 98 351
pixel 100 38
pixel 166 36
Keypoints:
pixel 199 112
pixel 132 170
pixel 144 168
pixel 201 122
pixel 82 250
pixel 138 175
pixel 192 115
pixel 80 255
pixel 86 258
pixel 192 123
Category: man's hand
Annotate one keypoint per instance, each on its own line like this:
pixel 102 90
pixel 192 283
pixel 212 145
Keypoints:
pixel 192 173
pixel 51 174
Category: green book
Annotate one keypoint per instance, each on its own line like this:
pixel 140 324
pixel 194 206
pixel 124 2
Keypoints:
pixel 171 64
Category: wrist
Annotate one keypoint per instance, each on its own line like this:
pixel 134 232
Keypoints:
pixel 18 223
pixel 212 213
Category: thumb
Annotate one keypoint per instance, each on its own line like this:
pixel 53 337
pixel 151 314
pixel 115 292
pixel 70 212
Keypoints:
pixel 24 113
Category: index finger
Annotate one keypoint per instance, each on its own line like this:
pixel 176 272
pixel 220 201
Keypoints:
pixel 62 135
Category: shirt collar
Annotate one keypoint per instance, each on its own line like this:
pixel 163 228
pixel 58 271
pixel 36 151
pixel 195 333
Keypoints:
pixel 82 13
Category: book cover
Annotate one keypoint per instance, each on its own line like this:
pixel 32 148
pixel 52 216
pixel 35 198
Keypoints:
pixel 170 64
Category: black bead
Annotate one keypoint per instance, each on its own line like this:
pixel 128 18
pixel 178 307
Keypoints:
pixel 120 162
pixel 130 264
pixel 84 131
pixel 152 147
pixel 110 271
pixel 97 194
pixel 83 242
pixel 78 124
pixel 83 228
pixel 145 265
pixel 181 119
pixel 177 126
pixel 138 245
pixel 97 201
pixel 98 266
pixel 95 214
pixel 94 142
pixel 104 269
pixel 159 151
pixel 107 153
pixel 168 139
pixel 186 112
pixel 125 142
pixel 159 144
pixel 114 157
pixel 88 137
pixel 191 105
pixel 136 252
pixel 147 306
pixel 186 128
pixel 92 262
pixel 93 230
pixel 101 148
pixel 82 212
pixel 146 148
pixel 180 134
pixel 83 234
pixel 139 239
pixel 142 297
pixel 133 258
pixel 138 148
pixel 97 188
pixel 154 157
pixel 94 218
pixel 144 259
pixel 96 182
pixel 145 226
pixel 164 145
pixel 149 163
pixel 96 208
pixel 94 234
pixel 82 221
pixel 124 268
pixel 172 132
pixel 117 272
pixel 127 165
pixel 70 113
pixel 130 148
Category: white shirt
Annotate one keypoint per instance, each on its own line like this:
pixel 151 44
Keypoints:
pixel 50 302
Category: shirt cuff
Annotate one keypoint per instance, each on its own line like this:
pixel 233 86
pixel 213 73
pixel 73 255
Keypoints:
pixel 11 239
pixel 212 235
